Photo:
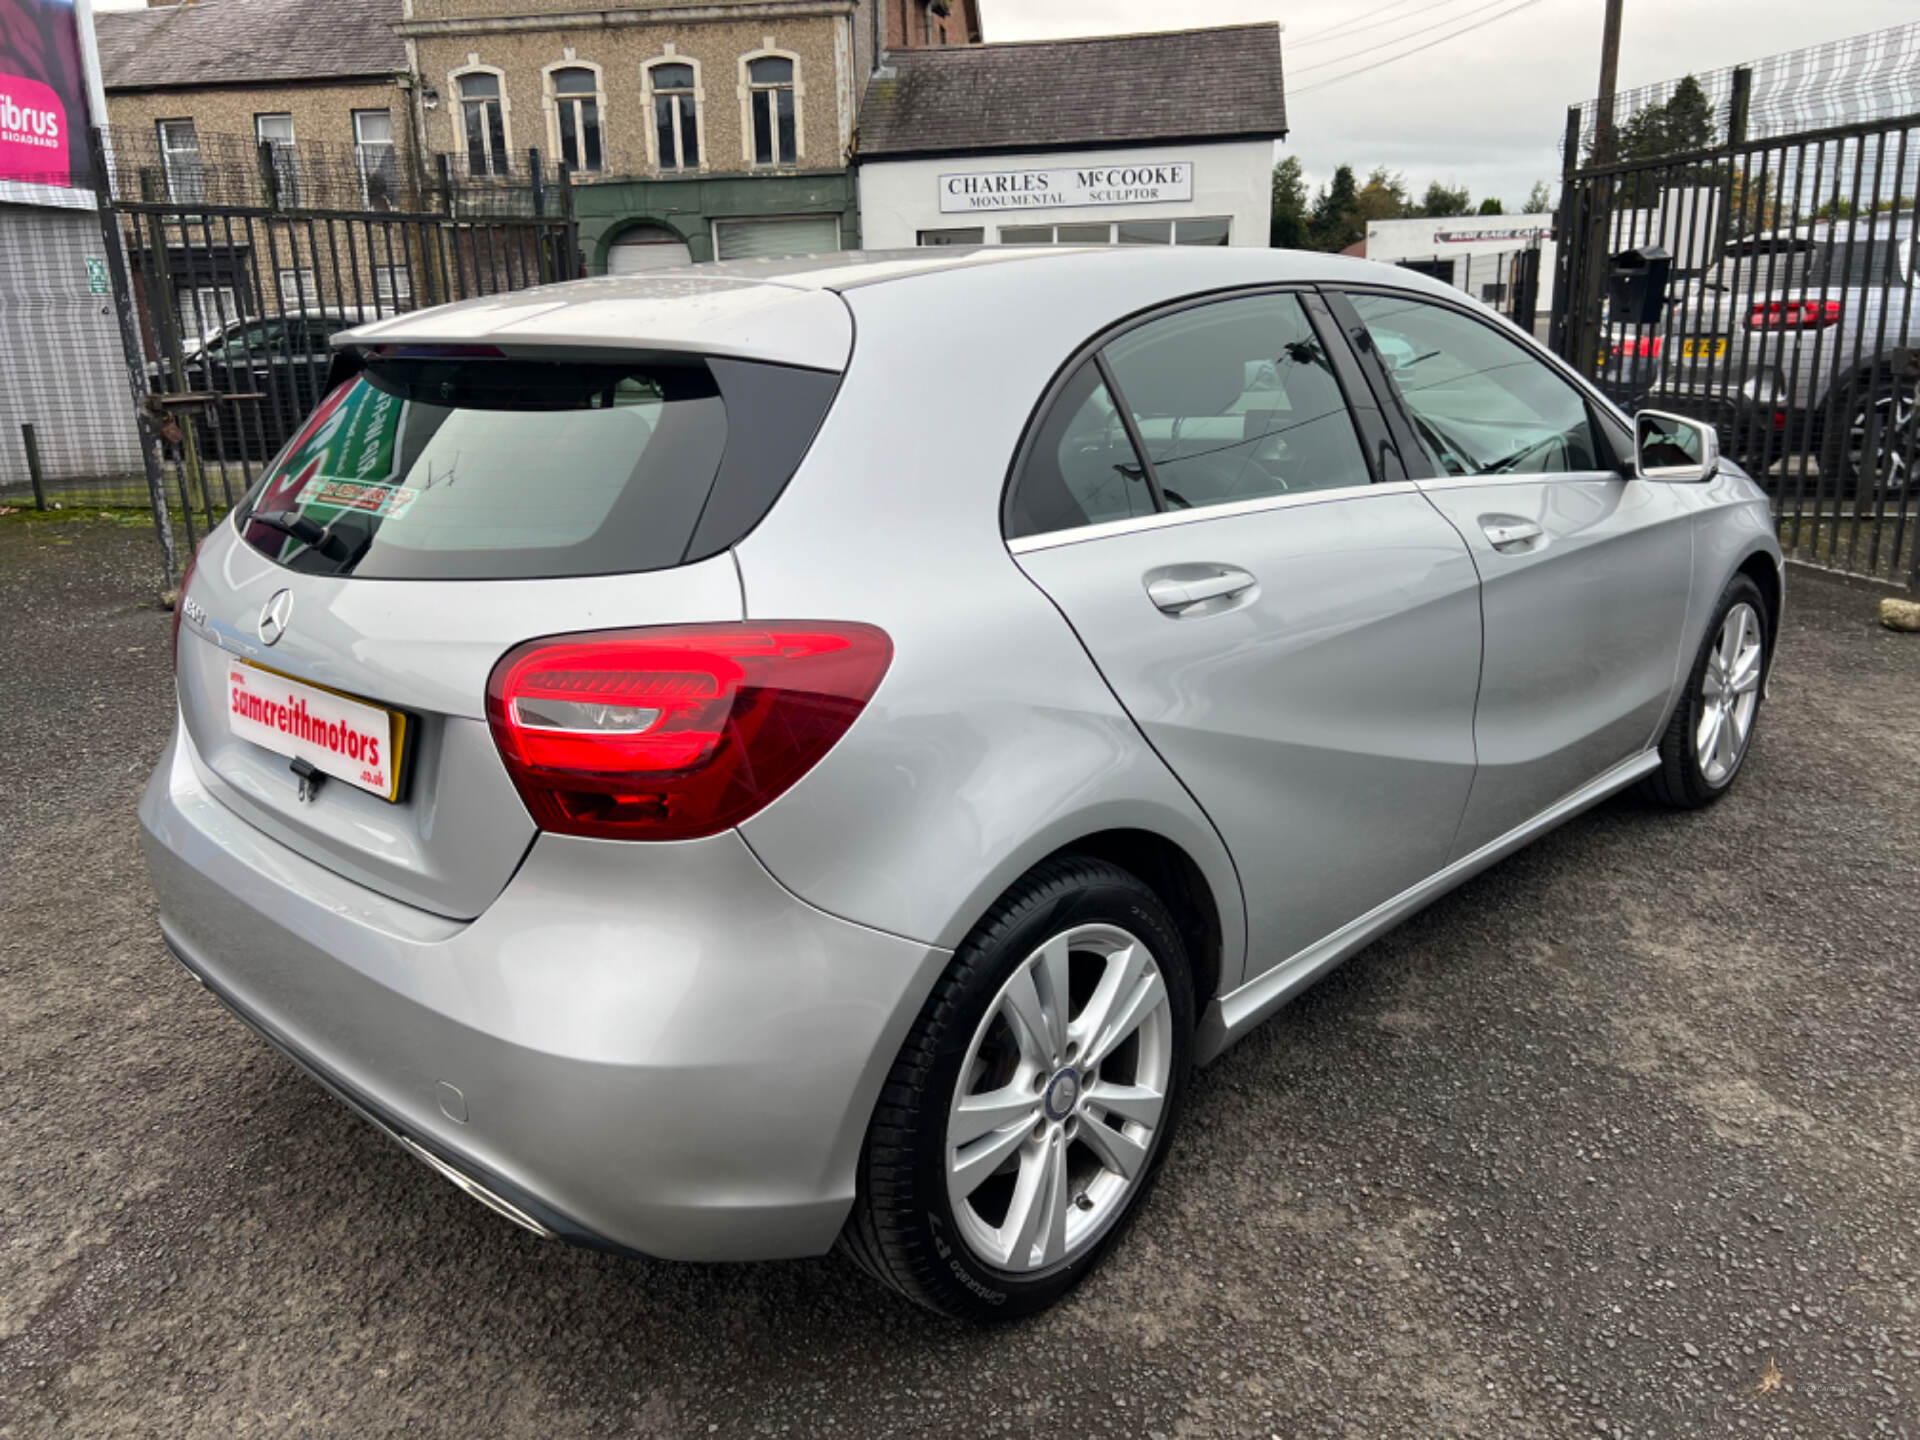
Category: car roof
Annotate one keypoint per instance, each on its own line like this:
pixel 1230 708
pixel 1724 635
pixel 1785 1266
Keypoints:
pixel 789 311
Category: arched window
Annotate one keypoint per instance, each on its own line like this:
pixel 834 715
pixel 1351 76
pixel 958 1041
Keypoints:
pixel 770 87
pixel 483 124
pixel 676 120
pixel 573 92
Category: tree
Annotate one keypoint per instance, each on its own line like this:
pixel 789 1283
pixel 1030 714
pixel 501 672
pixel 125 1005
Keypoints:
pixel 1491 206
pixel 1440 201
pixel 1383 197
pixel 1287 227
pixel 1335 222
pixel 1539 199
pixel 1689 118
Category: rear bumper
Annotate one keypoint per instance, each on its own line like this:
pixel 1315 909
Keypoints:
pixel 655 1048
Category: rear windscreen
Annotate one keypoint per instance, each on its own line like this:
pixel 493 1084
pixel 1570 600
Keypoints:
pixel 501 468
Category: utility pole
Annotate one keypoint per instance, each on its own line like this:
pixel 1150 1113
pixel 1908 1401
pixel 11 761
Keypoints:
pixel 1609 82
pixel 1588 331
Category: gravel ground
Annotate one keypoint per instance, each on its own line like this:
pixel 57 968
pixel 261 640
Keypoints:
pixel 1623 1138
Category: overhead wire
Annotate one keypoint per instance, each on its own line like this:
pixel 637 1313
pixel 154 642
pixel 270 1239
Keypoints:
pixel 1398 39
pixel 1418 49
pixel 1355 28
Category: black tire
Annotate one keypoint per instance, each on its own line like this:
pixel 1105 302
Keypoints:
pixel 1680 783
pixel 902 1230
pixel 1843 476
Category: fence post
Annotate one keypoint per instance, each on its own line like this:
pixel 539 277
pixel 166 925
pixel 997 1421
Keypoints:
pixel 1561 301
pixel 1738 105
pixel 269 174
pixel 569 229
pixel 135 357
pixel 33 465
pixel 443 166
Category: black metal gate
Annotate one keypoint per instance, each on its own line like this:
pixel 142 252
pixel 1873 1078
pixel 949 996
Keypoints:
pixel 1766 286
pixel 234 272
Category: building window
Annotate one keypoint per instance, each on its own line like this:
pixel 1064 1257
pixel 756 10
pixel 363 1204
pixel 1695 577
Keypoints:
pixel 180 160
pixel 770 91
pixel 676 120
pixel 204 311
pixel 1123 232
pixel 772 238
pixel 962 235
pixel 277 131
pixel 483 123
pixel 574 94
pixel 299 289
pixel 374 155
pixel 393 287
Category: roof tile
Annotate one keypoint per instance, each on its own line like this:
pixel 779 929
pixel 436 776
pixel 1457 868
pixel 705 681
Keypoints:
pixel 225 42
pixel 1108 89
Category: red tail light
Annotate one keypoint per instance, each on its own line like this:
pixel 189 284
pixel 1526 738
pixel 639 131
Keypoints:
pixel 180 603
pixel 1647 347
pixel 680 731
pixel 1794 315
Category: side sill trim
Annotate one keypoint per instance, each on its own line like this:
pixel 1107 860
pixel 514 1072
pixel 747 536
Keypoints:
pixel 1230 1017
pixel 498 1195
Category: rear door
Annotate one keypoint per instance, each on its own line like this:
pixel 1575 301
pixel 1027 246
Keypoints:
pixel 433 513
pixel 1584 570
pixel 1299 643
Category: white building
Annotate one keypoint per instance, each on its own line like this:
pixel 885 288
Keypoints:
pixel 1476 253
pixel 1131 140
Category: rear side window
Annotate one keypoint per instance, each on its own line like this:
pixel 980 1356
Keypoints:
pixel 501 468
pixel 1230 400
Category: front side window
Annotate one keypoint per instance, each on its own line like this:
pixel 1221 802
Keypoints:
pixel 1483 405
pixel 770 84
pixel 483 124
pixel 576 103
pixel 1234 400
pixel 676 121
pixel 374 155
pixel 180 160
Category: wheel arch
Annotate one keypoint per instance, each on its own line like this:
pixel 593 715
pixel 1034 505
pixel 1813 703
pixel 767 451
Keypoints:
pixel 1172 874
pixel 1764 571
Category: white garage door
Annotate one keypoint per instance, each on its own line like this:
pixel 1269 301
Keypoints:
pixel 771 239
pixel 646 247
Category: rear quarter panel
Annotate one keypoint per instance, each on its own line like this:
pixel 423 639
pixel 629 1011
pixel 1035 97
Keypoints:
pixel 993 741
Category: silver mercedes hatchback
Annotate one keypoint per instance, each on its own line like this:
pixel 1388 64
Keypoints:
pixel 733 762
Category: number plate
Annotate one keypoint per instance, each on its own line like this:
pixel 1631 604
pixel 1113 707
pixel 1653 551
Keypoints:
pixel 1711 348
pixel 336 734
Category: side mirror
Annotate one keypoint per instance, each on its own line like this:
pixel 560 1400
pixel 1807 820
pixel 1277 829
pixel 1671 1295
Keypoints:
pixel 1674 448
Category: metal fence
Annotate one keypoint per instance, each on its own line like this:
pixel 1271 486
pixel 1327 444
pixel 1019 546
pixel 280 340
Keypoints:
pixel 1507 282
pixel 230 293
pixel 1768 287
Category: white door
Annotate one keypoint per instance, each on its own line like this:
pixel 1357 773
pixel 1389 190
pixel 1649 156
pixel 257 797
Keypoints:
pixel 648 247
pixel 774 239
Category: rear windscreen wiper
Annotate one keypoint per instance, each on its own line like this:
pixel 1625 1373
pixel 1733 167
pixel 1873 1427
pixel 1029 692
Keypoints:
pixel 310 533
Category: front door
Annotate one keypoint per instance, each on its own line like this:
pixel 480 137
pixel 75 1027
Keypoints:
pixel 1300 645
pixel 1584 570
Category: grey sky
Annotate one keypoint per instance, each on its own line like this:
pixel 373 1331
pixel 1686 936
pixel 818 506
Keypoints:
pixel 1486 110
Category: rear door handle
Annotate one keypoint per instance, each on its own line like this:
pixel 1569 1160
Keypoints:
pixel 1510 532
pixel 1190 586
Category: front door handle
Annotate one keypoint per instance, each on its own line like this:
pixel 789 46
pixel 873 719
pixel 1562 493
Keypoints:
pixel 1509 532
pixel 1183 589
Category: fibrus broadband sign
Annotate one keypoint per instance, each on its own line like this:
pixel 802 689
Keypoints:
pixel 1134 183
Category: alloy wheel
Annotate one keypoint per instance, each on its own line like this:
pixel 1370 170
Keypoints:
pixel 1060 1099
pixel 1729 694
pixel 1889 417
